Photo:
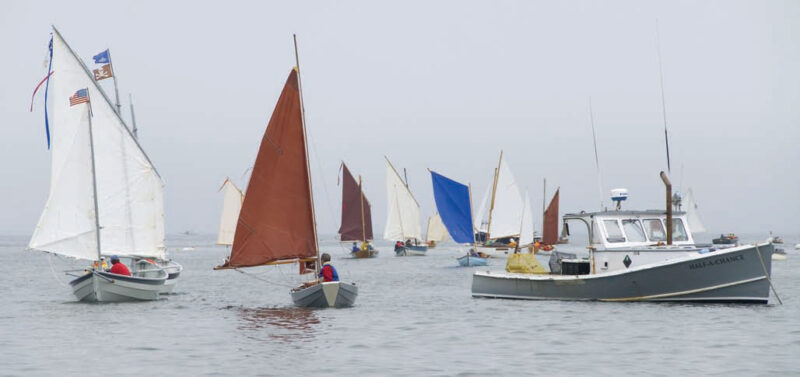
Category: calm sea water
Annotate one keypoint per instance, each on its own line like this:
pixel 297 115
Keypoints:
pixel 414 316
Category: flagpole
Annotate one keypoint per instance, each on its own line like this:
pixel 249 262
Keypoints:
pixel 133 119
pixel 114 76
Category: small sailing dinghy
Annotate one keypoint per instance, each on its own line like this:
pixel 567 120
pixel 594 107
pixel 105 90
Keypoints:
pixel 277 224
pixel 436 231
pixel 231 206
pixel 504 213
pixel 106 197
pixel 454 203
pixel 550 224
pixel 356 217
pixel 402 218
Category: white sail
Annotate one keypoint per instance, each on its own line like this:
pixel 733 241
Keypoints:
pixel 692 216
pixel 231 206
pixel 129 190
pixel 402 221
pixel 526 232
pixel 507 211
pixel 436 229
pixel 481 218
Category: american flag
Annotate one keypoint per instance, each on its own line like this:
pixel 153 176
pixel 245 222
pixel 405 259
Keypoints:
pixel 81 96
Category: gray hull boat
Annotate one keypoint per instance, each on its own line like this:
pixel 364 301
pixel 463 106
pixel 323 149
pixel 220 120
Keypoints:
pixel 735 275
pixel 334 294
pixel 101 286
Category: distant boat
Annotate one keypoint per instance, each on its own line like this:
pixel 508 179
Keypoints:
pixel 779 254
pixel 550 224
pixel 106 197
pixel 436 232
pixel 502 208
pixel 402 216
pixel 356 216
pixel 277 223
pixel 454 203
pixel 231 206
pixel 726 239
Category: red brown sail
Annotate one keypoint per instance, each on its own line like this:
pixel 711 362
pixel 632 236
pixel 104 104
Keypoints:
pixel 550 226
pixel 277 220
pixel 356 226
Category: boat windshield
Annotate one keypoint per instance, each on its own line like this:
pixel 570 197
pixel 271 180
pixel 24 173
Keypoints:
pixel 613 231
pixel 655 230
pixel 633 230
pixel 678 231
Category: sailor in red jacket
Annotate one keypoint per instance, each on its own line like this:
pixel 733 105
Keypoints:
pixel 118 267
pixel 328 273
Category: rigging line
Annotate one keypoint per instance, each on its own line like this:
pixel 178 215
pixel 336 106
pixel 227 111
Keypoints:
pixel 596 158
pixel 663 101
pixel 264 280
pixel 55 276
pixel 324 179
pixel 766 274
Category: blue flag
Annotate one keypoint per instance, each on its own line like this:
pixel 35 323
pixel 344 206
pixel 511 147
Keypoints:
pixel 101 58
pixel 453 202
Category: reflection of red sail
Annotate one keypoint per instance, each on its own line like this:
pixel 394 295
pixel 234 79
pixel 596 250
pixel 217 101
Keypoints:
pixel 356 225
pixel 277 219
pixel 550 227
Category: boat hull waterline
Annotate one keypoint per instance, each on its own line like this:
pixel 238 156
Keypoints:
pixel 334 294
pixel 731 275
pixel 96 286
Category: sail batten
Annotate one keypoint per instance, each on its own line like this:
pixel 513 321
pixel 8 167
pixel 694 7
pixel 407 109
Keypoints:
pixel 276 221
pixel 356 214
pixel 129 189
pixel 402 221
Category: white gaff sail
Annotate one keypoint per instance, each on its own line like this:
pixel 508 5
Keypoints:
pixel 526 230
pixel 130 197
pixel 436 230
pixel 402 218
pixel 480 221
pixel 507 211
pixel 231 206
pixel 692 216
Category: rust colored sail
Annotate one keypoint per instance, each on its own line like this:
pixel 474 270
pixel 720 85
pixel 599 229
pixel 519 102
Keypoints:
pixel 354 227
pixel 277 219
pixel 550 226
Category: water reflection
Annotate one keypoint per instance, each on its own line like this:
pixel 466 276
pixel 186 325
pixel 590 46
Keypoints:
pixel 285 324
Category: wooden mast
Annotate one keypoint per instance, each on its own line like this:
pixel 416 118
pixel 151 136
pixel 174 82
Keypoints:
pixel 94 179
pixel 494 191
pixel 361 197
pixel 305 142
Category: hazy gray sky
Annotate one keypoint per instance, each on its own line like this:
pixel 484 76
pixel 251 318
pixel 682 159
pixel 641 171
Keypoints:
pixel 440 85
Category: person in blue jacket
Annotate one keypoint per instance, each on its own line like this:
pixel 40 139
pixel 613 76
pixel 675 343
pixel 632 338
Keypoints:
pixel 328 272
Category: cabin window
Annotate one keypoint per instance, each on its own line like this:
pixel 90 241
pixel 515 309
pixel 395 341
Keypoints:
pixel 633 230
pixel 613 231
pixel 655 230
pixel 678 231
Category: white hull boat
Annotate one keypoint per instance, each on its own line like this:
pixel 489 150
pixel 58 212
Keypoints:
pixel 98 286
pixel 334 294
pixel 739 274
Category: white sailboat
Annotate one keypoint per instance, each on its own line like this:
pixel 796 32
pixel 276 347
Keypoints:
pixel 504 212
pixel 402 222
pixel 436 231
pixel 692 215
pixel 231 206
pixel 106 197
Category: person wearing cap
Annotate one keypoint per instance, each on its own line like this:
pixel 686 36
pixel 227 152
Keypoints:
pixel 327 273
pixel 118 267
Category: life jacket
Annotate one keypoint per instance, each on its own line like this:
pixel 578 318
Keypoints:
pixel 329 267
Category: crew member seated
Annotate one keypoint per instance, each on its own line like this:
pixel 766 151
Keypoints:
pixel 354 249
pixel 328 272
pixel 118 267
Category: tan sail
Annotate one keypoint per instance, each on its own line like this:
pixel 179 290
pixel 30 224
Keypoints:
pixel 277 220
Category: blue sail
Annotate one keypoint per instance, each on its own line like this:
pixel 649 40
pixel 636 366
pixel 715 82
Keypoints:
pixel 453 202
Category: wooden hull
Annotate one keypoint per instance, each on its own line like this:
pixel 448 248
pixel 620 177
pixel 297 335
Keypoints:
pixel 365 253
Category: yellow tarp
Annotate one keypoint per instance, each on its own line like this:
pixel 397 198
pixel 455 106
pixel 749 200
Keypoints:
pixel 524 263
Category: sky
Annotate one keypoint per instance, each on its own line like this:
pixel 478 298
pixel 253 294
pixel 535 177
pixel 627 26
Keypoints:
pixel 444 85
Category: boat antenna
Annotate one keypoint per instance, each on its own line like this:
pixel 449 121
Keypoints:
pixel 663 101
pixel 596 158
